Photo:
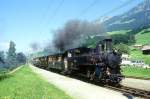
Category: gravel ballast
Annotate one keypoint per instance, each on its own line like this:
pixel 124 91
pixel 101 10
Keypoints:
pixel 137 83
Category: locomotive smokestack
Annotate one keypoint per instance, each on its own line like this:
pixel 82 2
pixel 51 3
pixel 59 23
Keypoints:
pixel 108 45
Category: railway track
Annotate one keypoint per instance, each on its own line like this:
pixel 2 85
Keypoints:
pixel 128 91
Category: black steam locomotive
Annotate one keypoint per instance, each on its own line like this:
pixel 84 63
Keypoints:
pixel 101 63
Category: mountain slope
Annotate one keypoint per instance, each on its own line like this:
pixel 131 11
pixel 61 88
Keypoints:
pixel 143 37
pixel 135 18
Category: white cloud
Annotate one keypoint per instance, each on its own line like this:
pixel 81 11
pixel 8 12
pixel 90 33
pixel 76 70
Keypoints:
pixel 4 46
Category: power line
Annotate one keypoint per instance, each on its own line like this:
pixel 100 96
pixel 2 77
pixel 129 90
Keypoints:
pixel 88 7
pixel 57 8
pixel 113 10
pixel 45 15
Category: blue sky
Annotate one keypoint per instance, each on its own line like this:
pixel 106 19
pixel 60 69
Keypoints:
pixel 27 21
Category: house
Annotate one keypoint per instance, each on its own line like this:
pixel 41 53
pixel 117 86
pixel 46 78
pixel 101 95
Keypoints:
pixel 125 60
pixel 146 49
pixel 137 63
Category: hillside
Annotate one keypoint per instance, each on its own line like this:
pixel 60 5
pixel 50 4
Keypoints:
pixel 143 37
pixel 135 18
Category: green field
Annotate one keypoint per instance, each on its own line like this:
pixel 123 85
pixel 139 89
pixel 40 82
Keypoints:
pixel 25 84
pixel 137 55
pixel 136 72
pixel 143 37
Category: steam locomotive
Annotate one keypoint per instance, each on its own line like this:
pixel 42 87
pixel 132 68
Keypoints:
pixel 101 63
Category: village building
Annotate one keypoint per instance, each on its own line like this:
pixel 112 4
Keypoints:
pixel 146 49
pixel 138 46
pixel 125 59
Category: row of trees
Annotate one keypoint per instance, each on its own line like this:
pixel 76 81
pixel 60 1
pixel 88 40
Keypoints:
pixel 122 41
pixel 11 59
pixel 123 38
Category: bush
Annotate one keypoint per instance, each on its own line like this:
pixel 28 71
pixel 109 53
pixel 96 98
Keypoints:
pixel 122 48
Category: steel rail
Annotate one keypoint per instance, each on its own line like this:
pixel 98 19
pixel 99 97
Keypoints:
pixel 131 91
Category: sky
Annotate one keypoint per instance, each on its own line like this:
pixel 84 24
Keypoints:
pixel 28 21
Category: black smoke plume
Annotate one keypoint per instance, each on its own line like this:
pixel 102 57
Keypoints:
pixel 74 33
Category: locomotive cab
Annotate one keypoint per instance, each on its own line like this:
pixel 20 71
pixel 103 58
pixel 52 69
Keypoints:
pixel 104 46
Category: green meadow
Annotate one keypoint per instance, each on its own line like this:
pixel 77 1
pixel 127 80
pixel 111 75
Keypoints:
pixel 25 84
pixel 136 72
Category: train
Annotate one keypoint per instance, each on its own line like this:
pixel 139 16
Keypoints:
pixel 101 63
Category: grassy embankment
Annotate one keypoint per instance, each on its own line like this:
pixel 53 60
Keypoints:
pixel 25 84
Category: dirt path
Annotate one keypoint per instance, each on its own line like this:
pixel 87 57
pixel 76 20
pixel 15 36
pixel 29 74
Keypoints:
pixel 15 69
pixel 78 89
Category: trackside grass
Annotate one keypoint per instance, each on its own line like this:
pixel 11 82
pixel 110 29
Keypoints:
pixel 136 72
pixel 25 84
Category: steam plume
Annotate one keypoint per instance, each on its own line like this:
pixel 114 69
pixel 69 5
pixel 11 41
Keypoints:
pixel 74 33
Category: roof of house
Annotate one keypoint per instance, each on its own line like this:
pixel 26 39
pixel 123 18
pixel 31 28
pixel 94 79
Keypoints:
pixel 146 47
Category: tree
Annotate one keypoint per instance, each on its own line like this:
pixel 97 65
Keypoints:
pixel 21 58
pixel 2 59
pixel 11 55
pixel 122 48
pixel 123 38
